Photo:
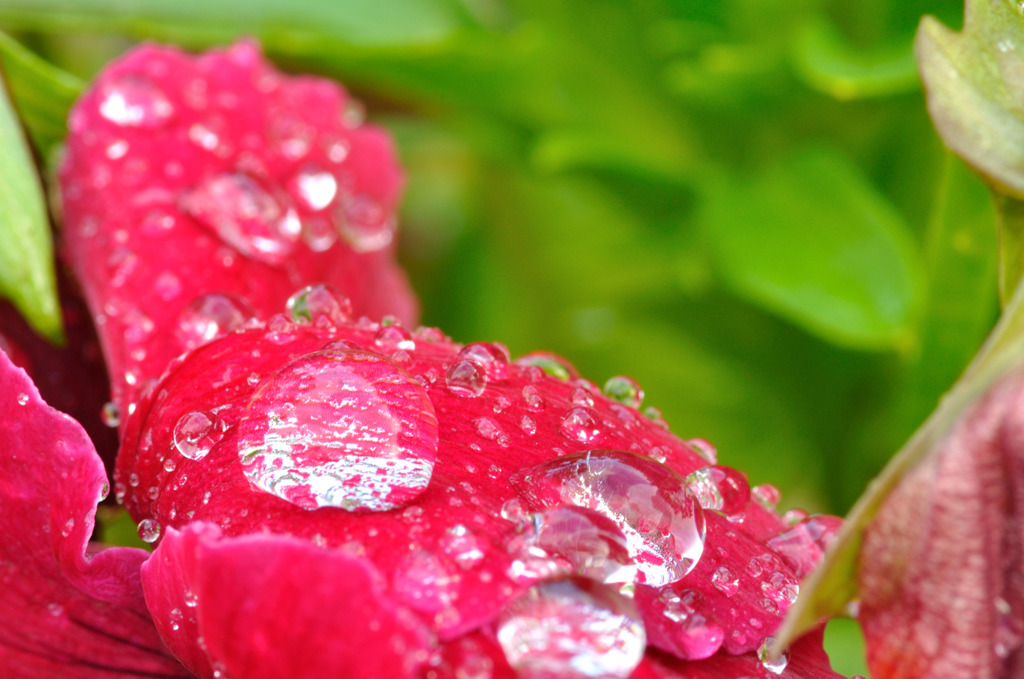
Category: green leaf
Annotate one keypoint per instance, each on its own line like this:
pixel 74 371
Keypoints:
pixel 829 64
pixel 357 22
pixel 42 94
pixel 811 240
pixel 828 590
pixel 27 275
pixel 974 81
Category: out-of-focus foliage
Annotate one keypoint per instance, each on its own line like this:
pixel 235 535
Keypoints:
pixel 741 203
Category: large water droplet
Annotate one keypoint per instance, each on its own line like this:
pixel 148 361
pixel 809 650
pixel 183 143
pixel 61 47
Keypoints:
pixel 773 665
pixel 245 216
pixel 314 301
pixel 661 519
pixel 722 489
pixel 365 223
pixel 573 629
pixel 339 428
pixel 134 100
pixel 211 316
pixel 196 433
pixel 492 357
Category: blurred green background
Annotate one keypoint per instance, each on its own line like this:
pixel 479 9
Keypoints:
pixel 740 203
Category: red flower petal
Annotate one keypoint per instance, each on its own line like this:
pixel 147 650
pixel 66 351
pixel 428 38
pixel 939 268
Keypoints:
pixel 942 567
pixel 66 613
pixel 277 607
pixel 264 177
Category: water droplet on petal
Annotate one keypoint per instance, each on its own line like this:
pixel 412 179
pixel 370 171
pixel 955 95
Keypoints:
pixel 767 495
pixel 572 629
pixel 69 526
pixel 313 188
pixel 244 215
pixel 394 338
pixel 340 428
pixel 692 630
pixel 579 425
pixel 134 100
pixel 573 541
pixel 492 357
pixel 775 666
pixel 423 583
pixel 111 414
pixel 724 581
pixel 528 425
pixel 534 401
pixel 487 428
pixel 722 489
pixel 314 301
pixel 661 519
pixel 463 546
pixel 196 433
pixel 365 224
pixel 1009 632
pixel 149 530
pixel 803 546
pixel 581 397
pixel 782 588
pixel 465 378
pixel 23 399
pixel 552 364
pixel 209 317
pixel 625 390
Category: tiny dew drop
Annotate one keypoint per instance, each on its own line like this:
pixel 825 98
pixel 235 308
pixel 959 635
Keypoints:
pixel 111 414
pixel 315 301
pixel 313 188
pixel 625 390
pixel 465 378
pixel 579 425
pixel 133 100
pixel 721 489
pixel 773 665
pixel 572 629
pixel 365 223
pixel 23 399
pixel 196 433
pixel 767 495
pixel 552 364
pixel 149 530
pixel 209 316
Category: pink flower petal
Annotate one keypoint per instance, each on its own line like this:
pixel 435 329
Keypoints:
pixel 277 607
pixel 941 575
pixel 66 613
pixel 262 175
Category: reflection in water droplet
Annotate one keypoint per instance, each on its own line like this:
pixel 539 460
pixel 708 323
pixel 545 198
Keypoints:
pixel 775 666
pixel 697 636
pixel 767 495
pixel 579 425
pixel 149 530
pixel 196 433
pixel 552 364
pixel 722 489
pixel 314 301
pixel 803 546
pixel 134 100
pixel 211 316
pixel 110 414
pixel 339 428
pixel 365 224
pixel 572 629
pixel 534 401
pixel 463 546
pixel 572 541
pixel 625 390
pixel 313 188
pixel 661 519
pixel 465 378
pixel 244 215
pixel 23 399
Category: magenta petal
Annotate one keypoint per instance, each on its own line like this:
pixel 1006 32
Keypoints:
pixel 65 614
pixel 277 607
pixel 216 173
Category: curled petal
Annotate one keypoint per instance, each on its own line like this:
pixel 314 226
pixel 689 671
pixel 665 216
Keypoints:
pixel 68 612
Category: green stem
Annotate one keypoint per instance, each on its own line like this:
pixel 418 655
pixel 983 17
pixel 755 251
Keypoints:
pixel 1011 244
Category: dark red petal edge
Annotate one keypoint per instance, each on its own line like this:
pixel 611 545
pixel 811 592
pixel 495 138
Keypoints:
pixel 65 613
